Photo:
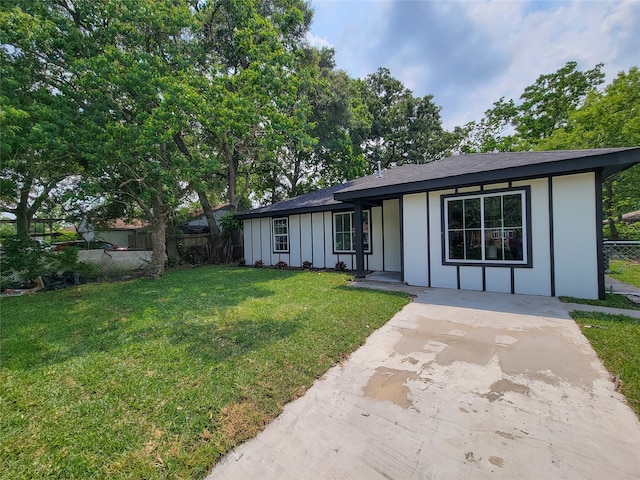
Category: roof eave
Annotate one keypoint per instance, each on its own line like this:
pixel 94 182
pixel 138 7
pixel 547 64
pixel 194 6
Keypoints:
pixel 290 211
pixel 614 163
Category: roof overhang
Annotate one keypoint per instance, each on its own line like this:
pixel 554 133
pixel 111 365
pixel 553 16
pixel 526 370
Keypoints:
pixel 609 163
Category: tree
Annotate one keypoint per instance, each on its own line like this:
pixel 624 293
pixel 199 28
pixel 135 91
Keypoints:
pixel 404 129
pixel 544 108
pixel 37 150
pixel 608 119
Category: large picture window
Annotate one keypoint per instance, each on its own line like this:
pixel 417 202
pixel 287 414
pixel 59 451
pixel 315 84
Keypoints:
pixel 344 233
pixel 281 235
pixel 487 228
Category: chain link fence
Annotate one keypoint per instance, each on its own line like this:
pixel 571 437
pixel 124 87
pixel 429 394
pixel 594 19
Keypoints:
pixel 619 250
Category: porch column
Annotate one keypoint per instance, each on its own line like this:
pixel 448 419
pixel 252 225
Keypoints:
pixel 357 220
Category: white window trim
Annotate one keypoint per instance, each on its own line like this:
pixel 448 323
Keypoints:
pixel 488 261
pixel 274 234
pixel 351 214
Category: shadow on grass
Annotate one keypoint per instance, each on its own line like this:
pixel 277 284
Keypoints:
pixel 194 308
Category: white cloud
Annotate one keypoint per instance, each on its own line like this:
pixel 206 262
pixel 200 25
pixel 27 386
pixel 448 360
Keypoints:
pixel 469 54
pixel 318 42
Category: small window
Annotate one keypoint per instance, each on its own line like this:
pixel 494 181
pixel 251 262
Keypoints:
pixel 344 233
pixel 280 235
pixel 488 228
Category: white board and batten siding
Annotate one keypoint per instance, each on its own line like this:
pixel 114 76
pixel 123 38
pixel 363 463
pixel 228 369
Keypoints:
pixel 311 239
pixel 562 230
pixel 570 209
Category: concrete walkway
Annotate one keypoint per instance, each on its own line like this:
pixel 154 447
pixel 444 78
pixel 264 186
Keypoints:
pixel 457 385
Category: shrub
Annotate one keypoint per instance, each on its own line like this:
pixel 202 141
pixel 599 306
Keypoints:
pixel 341 266
pixel 229 224
pixel 258 264
pixel 242 262
pixel 307 265
pixel 281 265
pixel 24 259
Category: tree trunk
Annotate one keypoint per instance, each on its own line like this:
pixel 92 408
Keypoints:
pixel 608 209
pixel 158 239
pixel 23 213
pixel 211 221
pixel 232 175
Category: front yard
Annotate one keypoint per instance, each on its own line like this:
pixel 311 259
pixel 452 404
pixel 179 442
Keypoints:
pixel 158 379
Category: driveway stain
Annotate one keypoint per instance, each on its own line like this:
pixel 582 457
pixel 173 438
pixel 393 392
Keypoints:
pixel 499 388
pixel 389 384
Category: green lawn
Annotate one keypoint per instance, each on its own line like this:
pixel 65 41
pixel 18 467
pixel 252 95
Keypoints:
pixel 158 379
pixel 613 300
pixel 616 339
pixel 625 271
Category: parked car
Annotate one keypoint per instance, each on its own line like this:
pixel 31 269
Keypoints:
pixel 83 245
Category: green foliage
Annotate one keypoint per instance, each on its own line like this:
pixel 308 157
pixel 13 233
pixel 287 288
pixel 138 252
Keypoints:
pixel 404 128
pixel 616 340
pixel 544 108
pixel 229 224
pixel 609 119
pixel 23 259
pixel 612 300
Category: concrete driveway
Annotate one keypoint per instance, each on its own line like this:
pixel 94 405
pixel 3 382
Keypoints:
pixel 457 385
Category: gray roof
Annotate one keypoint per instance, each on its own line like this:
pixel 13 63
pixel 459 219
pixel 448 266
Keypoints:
pixel 457 171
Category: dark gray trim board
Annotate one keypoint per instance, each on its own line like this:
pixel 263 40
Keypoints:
pixel 600 235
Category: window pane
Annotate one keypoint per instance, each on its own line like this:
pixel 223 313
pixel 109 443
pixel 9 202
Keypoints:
pixel 513 210
pixel 455 214
pixel 472 213
pixel 513 244
pixel 493 212
pixel 473 245
pixel 456 245
pixel 493 244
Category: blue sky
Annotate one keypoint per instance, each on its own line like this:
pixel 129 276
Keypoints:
pixel 469 54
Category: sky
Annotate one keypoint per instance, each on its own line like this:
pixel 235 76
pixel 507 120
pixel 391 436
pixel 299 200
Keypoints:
pixel 468 54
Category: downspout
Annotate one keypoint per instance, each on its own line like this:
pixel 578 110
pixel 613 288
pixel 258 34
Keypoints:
pixel 357 220
pixel 599 234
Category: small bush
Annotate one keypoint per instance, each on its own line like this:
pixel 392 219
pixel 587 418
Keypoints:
pixel 307 265
pixel 341 266
pixel 258 264
pixel 173 261
pixel 281 265
pixel 242 262
pixel 229 224
pixel 24 259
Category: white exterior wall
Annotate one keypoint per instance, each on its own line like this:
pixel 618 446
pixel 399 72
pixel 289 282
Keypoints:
pixel 416 263
pixel 311 239
pixel 374 261
pixel 575 238
pixel 574 267
pixel 443 276
pixel 392 243
pixel 537 280
pixel 531 281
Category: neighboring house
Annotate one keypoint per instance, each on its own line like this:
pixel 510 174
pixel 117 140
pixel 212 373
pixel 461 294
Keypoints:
pixel 525 223
pixel 198 224
pixel 118 231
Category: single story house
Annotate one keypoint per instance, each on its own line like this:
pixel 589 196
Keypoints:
pixel 522 222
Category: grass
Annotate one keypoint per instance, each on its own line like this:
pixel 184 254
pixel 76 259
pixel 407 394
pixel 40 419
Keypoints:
pixel 625 271
pixel 613 300
pixel 158 379
pixel 616 339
